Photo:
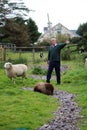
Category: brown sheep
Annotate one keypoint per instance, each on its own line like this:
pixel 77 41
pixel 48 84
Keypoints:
pixel 45 88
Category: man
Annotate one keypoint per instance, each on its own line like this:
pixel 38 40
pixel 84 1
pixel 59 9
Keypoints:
pixel 54 59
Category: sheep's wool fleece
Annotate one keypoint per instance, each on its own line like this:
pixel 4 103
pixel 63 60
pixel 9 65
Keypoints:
pixel 17 69
pixel 20 68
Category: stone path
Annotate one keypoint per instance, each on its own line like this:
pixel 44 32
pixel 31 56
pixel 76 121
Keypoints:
pixel 67 115
pixel 63 68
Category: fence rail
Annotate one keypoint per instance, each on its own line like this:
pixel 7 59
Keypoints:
pixel 10 53
pixel 13 53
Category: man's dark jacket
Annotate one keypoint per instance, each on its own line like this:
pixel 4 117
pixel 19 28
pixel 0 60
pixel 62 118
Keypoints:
pixel 54 52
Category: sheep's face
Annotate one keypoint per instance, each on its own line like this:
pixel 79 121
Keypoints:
pixel 7 65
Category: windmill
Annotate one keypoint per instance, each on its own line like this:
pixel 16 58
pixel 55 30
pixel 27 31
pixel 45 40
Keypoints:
pixel 49 26
pixel 49 23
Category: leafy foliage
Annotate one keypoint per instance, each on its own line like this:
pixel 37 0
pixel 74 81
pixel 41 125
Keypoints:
pixel 38 70
pixel 4 11
pixel 61 38
pixel 16 32
pixel 11 30
pixel 12 9
pixel 82 29
pixel 21 60
pixel 32 31
pixel 66 53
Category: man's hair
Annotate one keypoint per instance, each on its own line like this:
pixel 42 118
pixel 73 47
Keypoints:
pixel 53 39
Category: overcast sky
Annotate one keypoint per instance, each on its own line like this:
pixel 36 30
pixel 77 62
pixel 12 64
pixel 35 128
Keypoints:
pixel 70 13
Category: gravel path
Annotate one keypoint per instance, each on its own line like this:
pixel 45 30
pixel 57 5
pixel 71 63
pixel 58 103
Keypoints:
pixel 63 68
pixel 67 115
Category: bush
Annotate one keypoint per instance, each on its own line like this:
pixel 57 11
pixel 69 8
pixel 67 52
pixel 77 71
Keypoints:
pixel 66 54
pixel 38 70
pixel 20 61
pixel 2 64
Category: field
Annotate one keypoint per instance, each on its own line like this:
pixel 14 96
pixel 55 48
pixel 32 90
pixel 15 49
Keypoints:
pixel 21 108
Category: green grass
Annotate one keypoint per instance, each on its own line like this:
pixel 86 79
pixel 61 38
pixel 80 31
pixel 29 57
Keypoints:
pixel 25 109
pixel 75 81
pixel 21 108
pixel 29 55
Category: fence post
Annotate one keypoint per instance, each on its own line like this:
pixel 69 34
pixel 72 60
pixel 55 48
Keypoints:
pixel 20 54
pixel 4 54
pixel 33 52
pixel 1 53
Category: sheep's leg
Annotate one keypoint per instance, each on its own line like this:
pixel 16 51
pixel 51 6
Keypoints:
pixel 23 76
pixel 13 80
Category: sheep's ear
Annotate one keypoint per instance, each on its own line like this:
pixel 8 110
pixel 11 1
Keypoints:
pixel 10 65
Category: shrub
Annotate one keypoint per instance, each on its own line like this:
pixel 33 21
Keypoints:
pixel 66 54
pixel 38 70
pixel 2 64
pixel 21 61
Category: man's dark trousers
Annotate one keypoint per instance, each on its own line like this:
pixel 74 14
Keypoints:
pixel 53 65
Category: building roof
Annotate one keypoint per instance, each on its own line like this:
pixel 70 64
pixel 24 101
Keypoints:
pixel 58 29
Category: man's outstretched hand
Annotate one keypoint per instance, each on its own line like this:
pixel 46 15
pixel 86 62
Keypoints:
pixel 67 41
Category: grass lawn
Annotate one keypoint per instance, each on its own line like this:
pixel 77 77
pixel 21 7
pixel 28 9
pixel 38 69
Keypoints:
pixel 25 109
pixel 75 81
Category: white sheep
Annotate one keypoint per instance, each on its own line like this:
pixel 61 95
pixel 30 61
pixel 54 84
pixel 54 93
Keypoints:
pixel 13 71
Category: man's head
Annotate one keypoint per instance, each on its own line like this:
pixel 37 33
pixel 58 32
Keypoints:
pixel 53 41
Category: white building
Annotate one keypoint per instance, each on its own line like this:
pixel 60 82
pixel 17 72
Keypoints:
pixel 57 29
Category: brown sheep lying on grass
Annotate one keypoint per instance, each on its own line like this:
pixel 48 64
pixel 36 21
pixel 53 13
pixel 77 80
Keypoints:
pixel 45 88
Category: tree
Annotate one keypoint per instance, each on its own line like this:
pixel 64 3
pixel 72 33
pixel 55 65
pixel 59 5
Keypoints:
pixel 15 32
pixel 3 12
pixel 82 29
pixel 61 37
pixel 11 9
pixel 18 8
pixel 84 41
pixel 13 27
pixel 32 31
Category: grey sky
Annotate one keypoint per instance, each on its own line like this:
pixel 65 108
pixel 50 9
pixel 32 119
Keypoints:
pixel 70 13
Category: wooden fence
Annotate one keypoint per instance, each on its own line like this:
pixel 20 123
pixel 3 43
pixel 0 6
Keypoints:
pixel 1 53
pixel 13 53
